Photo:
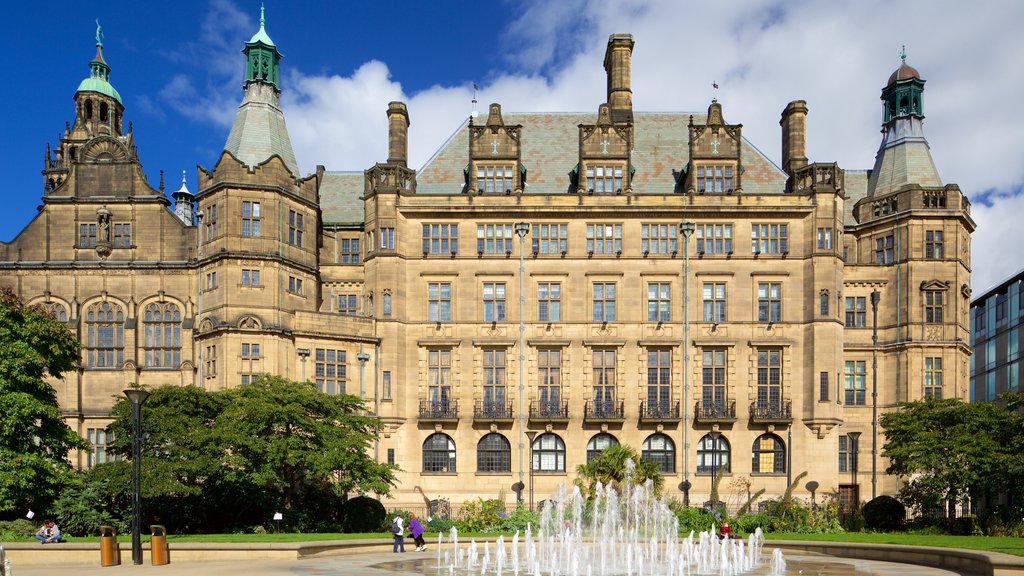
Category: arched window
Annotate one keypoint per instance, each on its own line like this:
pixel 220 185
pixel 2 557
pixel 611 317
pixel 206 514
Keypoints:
pixel 712 454
pixel 769 454
pixel 55 310
pixel 387 304
pixel 88 109
pixel 439 453
pixel 104 335
pixel 548 453
pixel 103 111
pixel 162 326
pixel 598 443
pixel 493 454
pixel 659 449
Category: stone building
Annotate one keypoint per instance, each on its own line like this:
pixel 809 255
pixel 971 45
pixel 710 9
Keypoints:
pixel 547 284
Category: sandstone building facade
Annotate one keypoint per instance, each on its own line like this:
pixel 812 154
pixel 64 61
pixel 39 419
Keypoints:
pixel 547 284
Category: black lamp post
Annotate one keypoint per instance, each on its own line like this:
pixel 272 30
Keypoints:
pixel 875 297
pixel 136 396
pixel 854 453
pixel 531 434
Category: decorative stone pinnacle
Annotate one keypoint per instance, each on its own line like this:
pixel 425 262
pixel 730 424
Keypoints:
pixel 903 52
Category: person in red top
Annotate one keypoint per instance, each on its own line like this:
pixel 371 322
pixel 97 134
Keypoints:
pixel 725 531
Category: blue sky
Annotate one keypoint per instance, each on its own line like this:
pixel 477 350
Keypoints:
pixel 178 68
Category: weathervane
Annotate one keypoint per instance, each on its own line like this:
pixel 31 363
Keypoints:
pixel 714 85
pixel 903 52
pixel 99 33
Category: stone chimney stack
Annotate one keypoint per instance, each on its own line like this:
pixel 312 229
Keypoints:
pixel 794 136
pixel 398 133
pixel 617 65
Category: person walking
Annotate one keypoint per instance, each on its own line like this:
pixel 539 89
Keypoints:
pixel 398 531
pixel 417 533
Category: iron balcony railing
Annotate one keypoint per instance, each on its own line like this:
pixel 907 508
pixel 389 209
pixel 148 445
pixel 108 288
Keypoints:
pixel 659 411
pixel 715 411
pixel 604 410
pixel 492 410
pixel 771 411
pixel 549 410
pixel 439 409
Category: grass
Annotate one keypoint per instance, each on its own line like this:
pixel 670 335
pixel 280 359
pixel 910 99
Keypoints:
pixel 1004 544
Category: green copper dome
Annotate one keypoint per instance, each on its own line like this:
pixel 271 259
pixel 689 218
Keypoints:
pixel 99 77
pixel 99 85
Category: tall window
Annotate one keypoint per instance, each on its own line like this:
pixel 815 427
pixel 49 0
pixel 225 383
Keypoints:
pixel 494 381
pixel 548 453
pixel 550 238
pixel 659 303
pixel 349 251
pixel 104 344
pixel 604 379
pixel 933 377
pixel 494 301
pixel 385 385
pixel 769 455
pixel 210 361
pixel 604 238
pixel 659 449
pixel 769 238
pixel 598 443
pixel 714 301
pixel 122 235
pixel 604 179
pixel 295 285
pixel 494 238
pixel 549 302
pixel 211 280
pixel 855 384
pixel 387 238
pixel 493 178
pixel 100 441
pixel 439 301
pixel 86 235
pixel 250 362
pixel 211 222
pixel 348 304
pixel 162 342
pixel 251 219
pixel 55 310
pixel 933 306
pixel 604 301
pixel 331 370
pixel 659 380
pixel 714 238
pixel 713 384
pixel 493 454
pixel 769 378
pixel 823 387
pixel 847 453
pixel 713 454
pixel 658 238
pixel 439 453
pixel 295 228
pixel 440 238
pixel 714 179
pixel 386 305
pixel 250 277
pixel 933 244
pixel 549 384
pixel 769 302
pixel 856 311
pixel 823 304
pixel 824 238
pixel 884 250
pixel 439 376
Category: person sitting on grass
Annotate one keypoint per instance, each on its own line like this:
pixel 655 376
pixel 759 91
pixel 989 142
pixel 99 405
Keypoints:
pixel 49 533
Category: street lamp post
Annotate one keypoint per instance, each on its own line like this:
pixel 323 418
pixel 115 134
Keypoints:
pixel 854 453
pixel 522 229
pixel 686 228
pixel 875 297
pixel 531 434
pixel 136 396
pixel 362 357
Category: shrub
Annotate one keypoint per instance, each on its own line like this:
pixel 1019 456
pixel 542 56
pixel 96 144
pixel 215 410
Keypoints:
pixel 519 519
pixel 884 513
pixel 439 524
pixel 695 520
pixel 853 521
pixel 364 514
pixel 751 522
pixel 14 530
pixel 481 515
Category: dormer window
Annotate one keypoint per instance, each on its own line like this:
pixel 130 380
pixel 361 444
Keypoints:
pixel 605 178
pixel 714 178
pixel 495 178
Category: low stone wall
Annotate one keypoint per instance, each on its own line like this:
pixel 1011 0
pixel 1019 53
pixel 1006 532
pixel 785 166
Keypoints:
pixel 974 562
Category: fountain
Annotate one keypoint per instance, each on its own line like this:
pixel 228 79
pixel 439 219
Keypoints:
pixel 633 533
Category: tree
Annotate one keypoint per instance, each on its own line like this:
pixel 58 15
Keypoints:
pixel 951 451
pixel 609 467
pixel 34 439
pixel 285 435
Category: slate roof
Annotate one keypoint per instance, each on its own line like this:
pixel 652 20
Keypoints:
pixel 259 130
pixel 341 197
pixel 856 187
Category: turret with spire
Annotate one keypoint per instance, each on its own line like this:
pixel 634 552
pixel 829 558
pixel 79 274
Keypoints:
pixel 184 203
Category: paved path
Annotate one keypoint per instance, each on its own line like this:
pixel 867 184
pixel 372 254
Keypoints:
pixel 386 563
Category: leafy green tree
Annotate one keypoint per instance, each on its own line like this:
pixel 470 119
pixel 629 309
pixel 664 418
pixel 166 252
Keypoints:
pixel 951 451
pixel 284 435
pixel 609 467
pixel 34 440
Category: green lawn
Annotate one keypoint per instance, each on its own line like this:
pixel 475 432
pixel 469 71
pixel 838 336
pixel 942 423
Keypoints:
pixel 1003 544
